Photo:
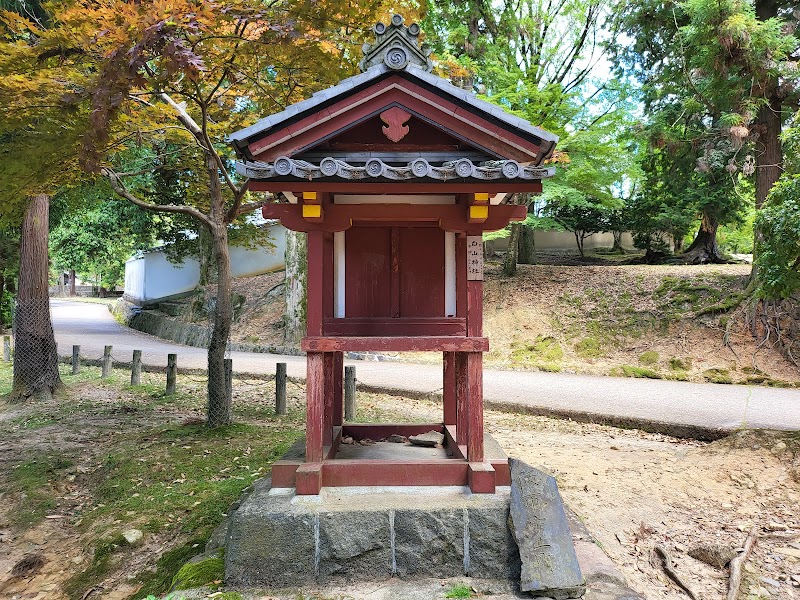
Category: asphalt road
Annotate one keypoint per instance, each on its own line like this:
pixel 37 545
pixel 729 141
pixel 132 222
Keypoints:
pixel 672 407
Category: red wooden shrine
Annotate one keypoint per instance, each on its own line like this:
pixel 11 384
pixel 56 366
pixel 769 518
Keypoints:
pixel 394 174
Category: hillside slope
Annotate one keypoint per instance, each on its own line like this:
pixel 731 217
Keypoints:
pixel 634 320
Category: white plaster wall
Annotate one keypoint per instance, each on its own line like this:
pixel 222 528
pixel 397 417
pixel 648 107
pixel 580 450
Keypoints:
pixel 151 276
pixel 134 277
pixel 249 262
pixel 163 279
pixel 564 241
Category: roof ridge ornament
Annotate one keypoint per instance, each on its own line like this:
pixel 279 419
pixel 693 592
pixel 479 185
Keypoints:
pixel 396 46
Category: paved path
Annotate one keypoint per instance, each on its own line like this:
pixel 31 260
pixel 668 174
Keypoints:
pixel 670 406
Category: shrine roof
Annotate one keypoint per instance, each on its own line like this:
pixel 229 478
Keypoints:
pixel 410 71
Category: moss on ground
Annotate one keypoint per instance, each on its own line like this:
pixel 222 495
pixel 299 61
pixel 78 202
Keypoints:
pixel 649 358
pixel 640 372
pixel 200 573
pixel 680 364
pixel 717 375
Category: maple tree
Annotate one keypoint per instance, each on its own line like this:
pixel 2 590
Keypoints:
pixel 175 77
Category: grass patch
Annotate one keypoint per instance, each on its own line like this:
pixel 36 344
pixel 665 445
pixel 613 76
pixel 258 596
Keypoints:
pixel 639 372
pixel 32 481
pixel 649 358
pixel 589 347
pixel 544 350
pixel 459 591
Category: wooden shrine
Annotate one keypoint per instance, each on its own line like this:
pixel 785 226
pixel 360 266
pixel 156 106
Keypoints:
pixel 394 174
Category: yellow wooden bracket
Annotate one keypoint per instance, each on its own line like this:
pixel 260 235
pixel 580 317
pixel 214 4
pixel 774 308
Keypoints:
pixel 478 213
pixel 480 198
pixel 312 211
pixel 310 197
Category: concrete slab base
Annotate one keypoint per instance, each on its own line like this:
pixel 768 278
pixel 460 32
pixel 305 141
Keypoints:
pixel 279 539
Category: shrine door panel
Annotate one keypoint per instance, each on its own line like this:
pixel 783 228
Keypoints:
pixel 421 260
pixel 368 281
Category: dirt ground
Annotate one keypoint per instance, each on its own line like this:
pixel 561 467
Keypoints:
pixel 633 490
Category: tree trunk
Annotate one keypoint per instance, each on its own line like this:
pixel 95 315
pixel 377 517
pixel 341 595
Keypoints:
pixel 527 246
pixel 617 247
pixel 36 354
pixel 295 295
pixel 205 242
pixel 579 237
pixel 219 400
pixel 768 151
pixel 677 243
pixel 219 406
pixel 510 260
pixel 72 282
pixel 704 248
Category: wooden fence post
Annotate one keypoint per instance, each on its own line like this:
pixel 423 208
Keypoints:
pixel 106 362
pixel 280 388
pixel 136 368
pixel 76 359
pixel 172 373
pixel 349 393
pixel 7 348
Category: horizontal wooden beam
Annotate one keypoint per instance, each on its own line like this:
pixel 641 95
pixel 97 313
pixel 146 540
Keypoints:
pixel 364 327
pixel 395 344
pixel 450 217
pixel 346 472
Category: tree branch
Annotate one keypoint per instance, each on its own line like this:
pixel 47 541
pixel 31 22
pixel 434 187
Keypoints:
pixel 119 188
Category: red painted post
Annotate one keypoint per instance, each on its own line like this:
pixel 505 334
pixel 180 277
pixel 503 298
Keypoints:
pixel 338 388
pixel 475 407
pixel 327 431
pixel 462 396
pixel 474 308
pixel 314 282
pixel 315 403
pixel 449 388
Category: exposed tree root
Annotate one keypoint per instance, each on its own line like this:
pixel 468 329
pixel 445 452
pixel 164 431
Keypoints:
pixel 669 569
pixel 737 563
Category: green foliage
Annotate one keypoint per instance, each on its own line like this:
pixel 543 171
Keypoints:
pixel 778 254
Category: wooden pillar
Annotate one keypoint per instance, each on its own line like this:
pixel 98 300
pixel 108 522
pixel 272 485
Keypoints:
pixel 327 365
pixel 315 404
pixel 314 283
pixel 474 406
pixel 475 308
pixel 449 388
pixel 461 397
pixel 338 388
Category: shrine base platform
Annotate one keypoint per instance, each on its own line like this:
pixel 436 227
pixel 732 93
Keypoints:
pixel 277 539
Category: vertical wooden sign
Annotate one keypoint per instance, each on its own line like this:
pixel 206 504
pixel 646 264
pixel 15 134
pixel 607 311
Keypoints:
pixel 474 258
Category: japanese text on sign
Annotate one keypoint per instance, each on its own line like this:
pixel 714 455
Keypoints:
pixel 474 258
